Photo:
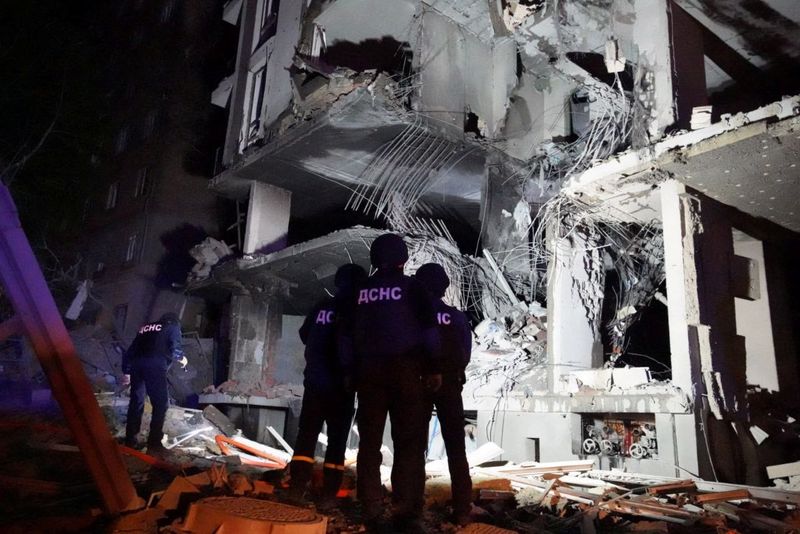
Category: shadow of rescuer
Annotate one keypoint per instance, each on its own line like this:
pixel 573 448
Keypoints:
pixel 155 347
pixel 394 343
pixel 326 400
pixel 456 348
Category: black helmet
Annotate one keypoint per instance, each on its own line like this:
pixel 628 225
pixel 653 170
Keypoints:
pixel 388 250
pixel 169 317
pixel 349 276
pixel 433 278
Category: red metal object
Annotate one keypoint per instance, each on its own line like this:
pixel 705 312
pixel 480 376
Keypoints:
pixel 41 322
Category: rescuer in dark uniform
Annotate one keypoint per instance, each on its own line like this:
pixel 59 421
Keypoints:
pixel 146 361
pixel 394 343
pixel 456 347
pixel 326 400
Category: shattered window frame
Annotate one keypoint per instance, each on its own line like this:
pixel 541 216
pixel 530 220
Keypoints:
pixel 120 317
pixel 142 182
pixel 255 109
pixel 130 252
pixel 111 196
pixel 267 18
pixel 122 140
pixel 168 11
pixel 149 123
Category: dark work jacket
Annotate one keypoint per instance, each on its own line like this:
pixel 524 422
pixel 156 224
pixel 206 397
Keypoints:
pixel 455 337
pixel 156 343
pixel 393 316
pixel 319 333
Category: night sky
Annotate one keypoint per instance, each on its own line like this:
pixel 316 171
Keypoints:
pixel 54 107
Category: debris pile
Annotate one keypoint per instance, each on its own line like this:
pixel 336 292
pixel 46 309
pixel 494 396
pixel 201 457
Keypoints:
pixel 508 350
pixel 207 254
pixel 572 497
pixel 259 389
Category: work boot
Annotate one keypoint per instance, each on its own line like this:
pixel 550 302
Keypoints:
pixel 331 482
pixel 461 519
pixel 462 515
pixel 375 521
pixel 131 443
pixel 156 449
pixel 371 511
pixel 299 477
pixel 411 523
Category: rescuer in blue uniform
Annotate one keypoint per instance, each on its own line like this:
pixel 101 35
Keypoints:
pixel 155 347
pixel 456 347
pixel 326 400
pixel 394 343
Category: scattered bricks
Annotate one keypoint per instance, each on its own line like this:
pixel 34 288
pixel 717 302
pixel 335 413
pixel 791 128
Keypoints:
pixel 672 487
pixel 733 495
pixel 263 488
pixel 239 483
pixel 171 498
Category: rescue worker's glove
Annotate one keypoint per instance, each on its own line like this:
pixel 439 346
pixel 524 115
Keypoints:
pixel 184 361
pixel 433 382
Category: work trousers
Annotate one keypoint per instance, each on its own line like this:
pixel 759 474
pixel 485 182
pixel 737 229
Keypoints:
pixel 450 411
pixel 391 387
pixel 334 407
pixel 148 376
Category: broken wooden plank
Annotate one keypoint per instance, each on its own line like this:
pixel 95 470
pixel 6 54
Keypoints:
pixel 783 470
pixel 720 496
pixel 681 486
pixel 765 494
pixel 540 468
pixel 576 495
pixel 723 508
pixel 585 482
pixel 512 478
pixel 650 510
pixel 283 443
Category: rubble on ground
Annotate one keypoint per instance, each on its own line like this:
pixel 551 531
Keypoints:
pixel 507 350
pixel 278 391
pixel 568 496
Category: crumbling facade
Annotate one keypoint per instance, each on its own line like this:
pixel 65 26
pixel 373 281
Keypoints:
pixel 580 147
pixel 141 221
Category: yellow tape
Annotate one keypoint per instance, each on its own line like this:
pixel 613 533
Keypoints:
pixel 333 466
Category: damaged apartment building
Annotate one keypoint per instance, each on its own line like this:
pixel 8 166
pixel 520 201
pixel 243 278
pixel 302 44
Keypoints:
pixel 611 185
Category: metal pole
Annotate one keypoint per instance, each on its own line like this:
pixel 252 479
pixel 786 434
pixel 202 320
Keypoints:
pixel 36 311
